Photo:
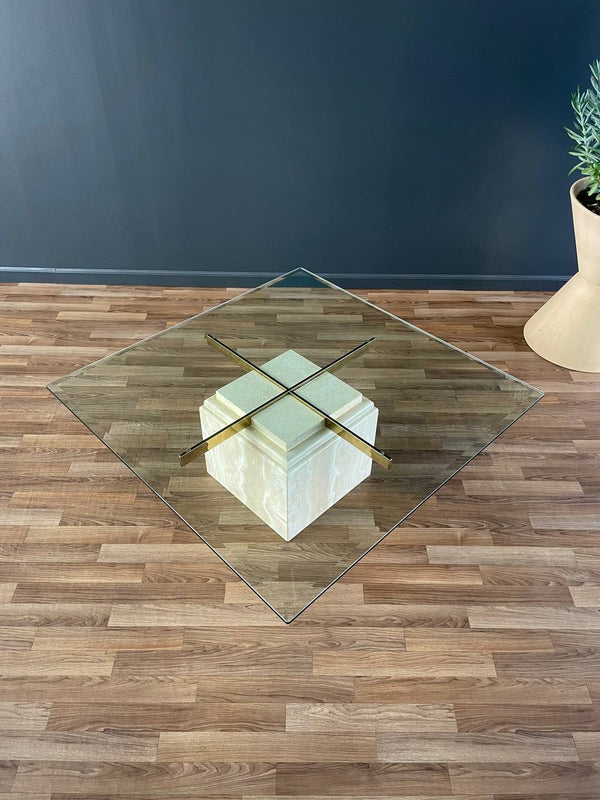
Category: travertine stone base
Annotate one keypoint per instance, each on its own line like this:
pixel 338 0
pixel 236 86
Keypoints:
pixel 287 467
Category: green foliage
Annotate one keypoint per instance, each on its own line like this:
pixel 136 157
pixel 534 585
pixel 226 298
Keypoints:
pixel 586 133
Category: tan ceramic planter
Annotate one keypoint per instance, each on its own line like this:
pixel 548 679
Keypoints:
pixel 566 330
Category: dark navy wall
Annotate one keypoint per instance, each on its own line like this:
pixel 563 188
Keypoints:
pixel 381 142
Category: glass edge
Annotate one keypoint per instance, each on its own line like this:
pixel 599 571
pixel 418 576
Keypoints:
pixel 419 504
pixel 176 325
pixel 324 281
pixel 171 508
pixel 349 567
pixel 424 332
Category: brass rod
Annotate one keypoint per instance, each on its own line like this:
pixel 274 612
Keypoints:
pixel 337 427
pixel 332 424
pixel 232 428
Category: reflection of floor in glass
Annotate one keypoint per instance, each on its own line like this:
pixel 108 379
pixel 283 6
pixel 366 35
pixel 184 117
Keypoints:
pixel 438 407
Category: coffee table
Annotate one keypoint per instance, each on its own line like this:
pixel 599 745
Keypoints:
pixel 436 406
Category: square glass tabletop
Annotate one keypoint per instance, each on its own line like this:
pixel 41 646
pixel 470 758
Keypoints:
pixel 436 408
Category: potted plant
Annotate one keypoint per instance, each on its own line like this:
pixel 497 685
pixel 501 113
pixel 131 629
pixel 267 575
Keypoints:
pixel 566 330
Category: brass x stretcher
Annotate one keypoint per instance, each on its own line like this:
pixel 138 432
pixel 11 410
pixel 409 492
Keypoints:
pixel 243 422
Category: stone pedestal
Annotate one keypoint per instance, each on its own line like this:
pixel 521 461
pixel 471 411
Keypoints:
pixel 287 467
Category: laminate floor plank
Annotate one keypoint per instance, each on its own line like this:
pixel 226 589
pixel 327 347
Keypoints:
pixel 471 595
pixel 276 688
pixel 360 797
pixel 197 716
pixel 586 595
pixel 499 555
pixel 89 779
pixel 59 745
pixel 535 618
pixel 131 592
pixel 315 639
pixel 99 689
pixel 55 662
pixel 24 716
pixel 581 664
pixel 392 664
pixel 369 717
pixel 288 747
pixel 168 614
pixel 478 691
pixel 538 779
pixel 459 660
pixel 241 658
pixel 534 718
pixel 368 779
pixel 86 639
pixel 588 745
pixel 44 614
pixel 447 640
pixel 384 615
pixel 449 747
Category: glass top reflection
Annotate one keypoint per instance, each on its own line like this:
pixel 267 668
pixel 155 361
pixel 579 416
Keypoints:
pixel 437 407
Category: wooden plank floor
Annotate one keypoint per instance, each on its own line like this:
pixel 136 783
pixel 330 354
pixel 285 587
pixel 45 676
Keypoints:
pixel 461 658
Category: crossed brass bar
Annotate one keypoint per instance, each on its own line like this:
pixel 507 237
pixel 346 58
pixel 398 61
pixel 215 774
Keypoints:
pixel 225 433
pixel 337 427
